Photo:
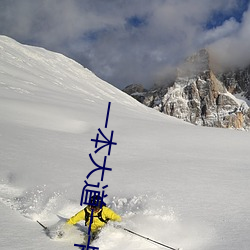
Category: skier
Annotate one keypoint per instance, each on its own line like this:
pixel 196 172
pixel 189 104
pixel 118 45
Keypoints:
pixel 101 215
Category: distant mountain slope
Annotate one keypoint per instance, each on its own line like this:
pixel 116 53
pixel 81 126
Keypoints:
pixel 34 74
pixel 27 69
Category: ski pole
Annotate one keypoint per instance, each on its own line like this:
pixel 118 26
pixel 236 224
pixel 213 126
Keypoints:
pixel 149 239
pixel 45 228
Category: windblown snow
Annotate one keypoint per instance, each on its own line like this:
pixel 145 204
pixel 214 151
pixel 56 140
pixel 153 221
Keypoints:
pixel 185 186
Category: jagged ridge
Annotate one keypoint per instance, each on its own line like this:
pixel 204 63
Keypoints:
pixel 200 96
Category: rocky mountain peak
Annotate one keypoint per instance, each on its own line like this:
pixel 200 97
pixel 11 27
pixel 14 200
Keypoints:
pixel 196 64
pixel 200 96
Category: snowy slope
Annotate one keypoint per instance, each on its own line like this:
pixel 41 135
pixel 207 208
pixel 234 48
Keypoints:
pixel 182 185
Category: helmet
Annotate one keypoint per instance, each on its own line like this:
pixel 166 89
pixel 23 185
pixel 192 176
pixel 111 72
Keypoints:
pixel 96 201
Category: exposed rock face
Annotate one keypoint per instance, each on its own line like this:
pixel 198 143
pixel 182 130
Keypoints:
pixel 237 81
pixel 134 88
pixel 199 97
pixel 137 91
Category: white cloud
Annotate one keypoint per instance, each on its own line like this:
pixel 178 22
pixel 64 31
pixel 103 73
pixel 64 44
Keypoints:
pixel 97 33
pixel 228 28
pixel 233 50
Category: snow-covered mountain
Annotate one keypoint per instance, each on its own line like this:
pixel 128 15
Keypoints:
pixel 182 185
pixel 201 96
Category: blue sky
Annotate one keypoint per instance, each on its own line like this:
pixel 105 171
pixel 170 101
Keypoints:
pixel 131 41
pixel 218 17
